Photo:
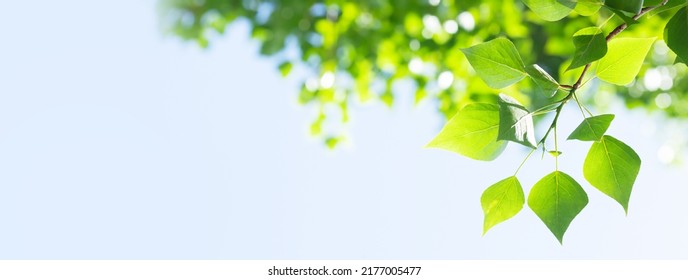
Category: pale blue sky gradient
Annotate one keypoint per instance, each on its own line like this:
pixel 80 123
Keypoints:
pixel 119 143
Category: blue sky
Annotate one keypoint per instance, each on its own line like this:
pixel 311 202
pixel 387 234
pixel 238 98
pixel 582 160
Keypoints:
pixel 119 143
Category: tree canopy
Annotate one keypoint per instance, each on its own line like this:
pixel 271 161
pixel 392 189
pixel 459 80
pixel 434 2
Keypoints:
pixel 357 50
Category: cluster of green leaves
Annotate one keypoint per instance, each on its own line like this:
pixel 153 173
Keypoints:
pixel 482 130
pixel 368 46
pixel 357 50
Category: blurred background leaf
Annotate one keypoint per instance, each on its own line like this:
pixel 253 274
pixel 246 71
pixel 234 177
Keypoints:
pixel 355 51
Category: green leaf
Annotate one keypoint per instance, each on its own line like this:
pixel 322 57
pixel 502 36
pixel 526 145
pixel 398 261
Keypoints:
pixel 285 68
pixel 592 128
pixel 676 33
pixel 623 60
pixel 650 3
pixel 472 132
pixel 515 122
pixel 631 6
pixel 542 81
pixel 612 167
pixel 672 4
pixel 387 98
pixel 557 199
pixel 591 45
pixel 497 62
pixel 588 7
pixel 502 201
pixel 551 10
pixel 625 16
pixel 547 108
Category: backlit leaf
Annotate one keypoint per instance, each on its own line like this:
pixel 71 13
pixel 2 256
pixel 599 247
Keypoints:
pixel 502 201
pixel 672 4
pixel 627 17
pixel 631 6
pixel 590 44
pixel 515 122
pixel 676 33
pixel 543 82
pixel 496 62
pixel 551 10
pixel 588 7
pixel 624 58
pixel 557 199
pixel 472 132
pixel 612 167
pixel 592 128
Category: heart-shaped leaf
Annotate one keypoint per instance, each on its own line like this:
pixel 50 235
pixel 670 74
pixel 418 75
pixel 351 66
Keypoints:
pixel 472 132
pixel 502 201
pixel 611 166
pixel 591 45
pixel 557 199
pixel 623 60
pixel 496 62
pixel 592 128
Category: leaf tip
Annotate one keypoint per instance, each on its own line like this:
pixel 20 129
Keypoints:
pixel 429 145
pixel 559 236
pixel 433 144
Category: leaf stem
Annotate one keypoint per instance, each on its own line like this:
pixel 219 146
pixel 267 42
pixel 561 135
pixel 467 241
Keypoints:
pixel 556 116
pixel 524 161
pixel 581 107
pixel 556 150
